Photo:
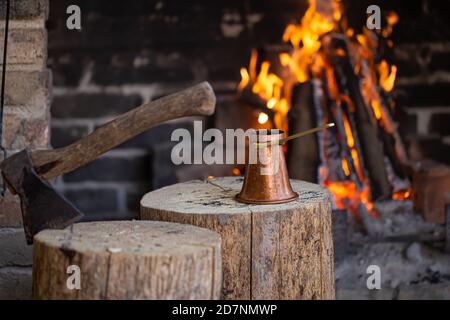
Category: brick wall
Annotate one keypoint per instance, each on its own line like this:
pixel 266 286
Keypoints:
pixel 132 52
pixel 25 124
pixel 129 53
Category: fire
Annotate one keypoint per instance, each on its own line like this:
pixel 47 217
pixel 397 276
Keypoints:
pixel 305 39
pixel 345 167
pixel 245 79
pixel 376 109
pixel 263 118
pixel 307 59
pixel 347 196
pixel 391 19
pixel 236 172
pixel 351 145
pixel 349 134
pixel 311 27
pixel 402 195
pixel 267 85
pixel 387 75
pixel 341 192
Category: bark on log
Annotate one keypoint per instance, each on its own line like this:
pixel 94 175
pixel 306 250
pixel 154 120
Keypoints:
pixel 303 154
pixel 282 251
pixel 128 260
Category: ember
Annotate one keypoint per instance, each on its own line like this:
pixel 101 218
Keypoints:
pixel 335 75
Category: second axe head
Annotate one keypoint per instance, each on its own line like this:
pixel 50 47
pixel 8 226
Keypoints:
pixel 42 206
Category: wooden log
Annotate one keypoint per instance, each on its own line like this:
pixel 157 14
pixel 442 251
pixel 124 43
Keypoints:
pixel 366 138
pixel 390 152
pixel 128 260
pixel 391 128
pixel 282 251
pixel 340 233
pixel 430 183
pixel 346 151
pixel 247 96
pixel 303 154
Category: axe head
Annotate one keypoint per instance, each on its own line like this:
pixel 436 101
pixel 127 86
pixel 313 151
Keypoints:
pixel 42 206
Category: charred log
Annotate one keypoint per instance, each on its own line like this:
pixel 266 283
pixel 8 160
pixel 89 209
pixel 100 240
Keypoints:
pixel 371 147
pixel 252 99
pixel 302 157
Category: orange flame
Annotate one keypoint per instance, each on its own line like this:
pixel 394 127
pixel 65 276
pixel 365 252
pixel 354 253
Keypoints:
pixel 348 133
pixel 387 75
pixel 305 60
pixel 245 79
pixel 376 109
pixel 305 38
pixel 402 195
pixel 391 19
pixel 345 167
pixel 347 196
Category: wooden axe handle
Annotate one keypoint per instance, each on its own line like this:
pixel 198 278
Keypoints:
pixel 195 101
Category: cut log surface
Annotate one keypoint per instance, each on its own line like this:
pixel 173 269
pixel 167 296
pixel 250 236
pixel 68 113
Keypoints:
pixel 128 260
pixel 282 251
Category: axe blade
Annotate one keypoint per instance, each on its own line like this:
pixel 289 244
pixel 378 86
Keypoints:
pixel 42 206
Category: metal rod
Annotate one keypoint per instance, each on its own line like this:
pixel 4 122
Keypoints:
pixel 2 94
pixel 295 136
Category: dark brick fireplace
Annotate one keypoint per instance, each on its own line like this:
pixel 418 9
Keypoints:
pixel 130 52
pixel 127 54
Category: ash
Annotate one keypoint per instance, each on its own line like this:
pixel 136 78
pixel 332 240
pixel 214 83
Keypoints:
pixel 408 251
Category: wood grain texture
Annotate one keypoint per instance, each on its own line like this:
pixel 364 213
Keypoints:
pixel 282 251
pixel 128 260
pixel 198 100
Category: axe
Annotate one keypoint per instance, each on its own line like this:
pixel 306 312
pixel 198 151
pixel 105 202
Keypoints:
pixel 25 173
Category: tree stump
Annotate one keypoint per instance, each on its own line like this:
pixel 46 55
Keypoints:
pixel 282 251
pixel 127 260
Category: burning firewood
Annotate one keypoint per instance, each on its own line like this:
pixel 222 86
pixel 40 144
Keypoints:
pixel 370 148
pixel 342 77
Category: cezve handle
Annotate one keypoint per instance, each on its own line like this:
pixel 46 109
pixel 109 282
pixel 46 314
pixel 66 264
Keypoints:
pixel 198 100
